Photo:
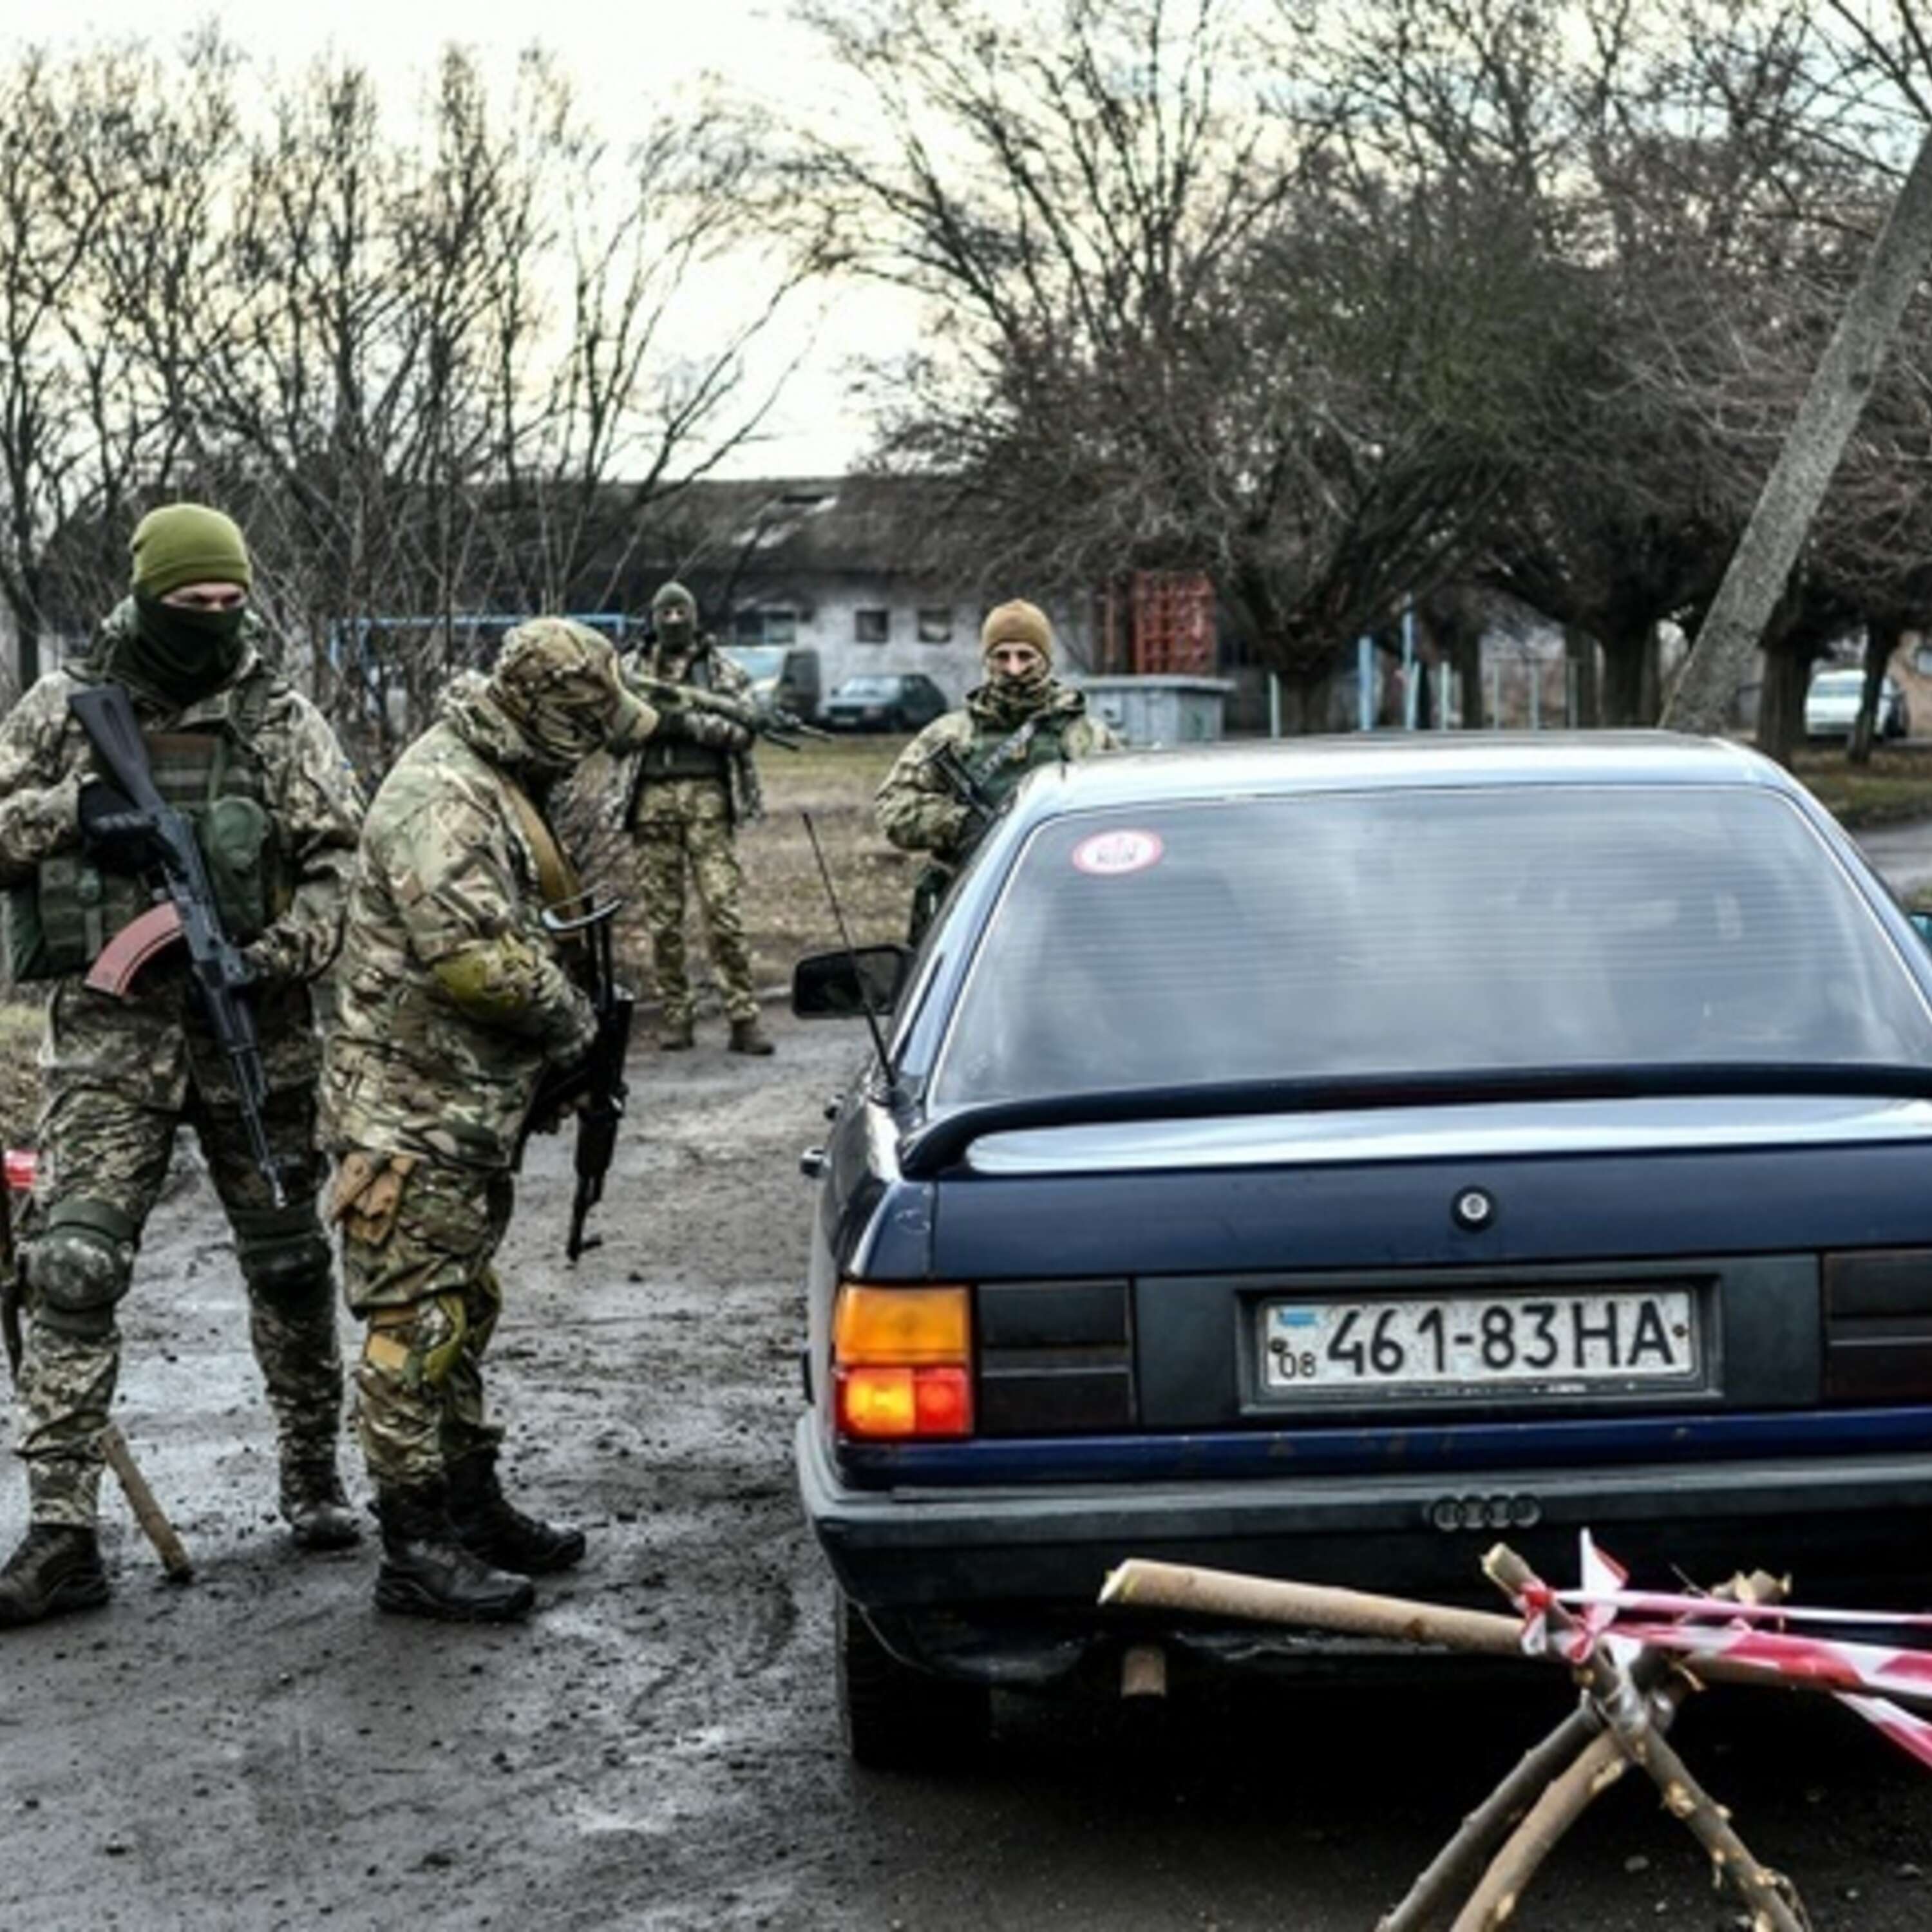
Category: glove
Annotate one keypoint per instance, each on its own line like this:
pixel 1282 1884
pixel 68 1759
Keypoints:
pixel 270 959
pixel 113 833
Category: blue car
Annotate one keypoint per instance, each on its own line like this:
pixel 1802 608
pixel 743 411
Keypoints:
pixel 1320 1159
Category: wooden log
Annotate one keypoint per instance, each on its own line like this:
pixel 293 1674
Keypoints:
pixel 1773 1906
pixel 1142 1583
pixel 148 1513
pixel 1486 1833
pixel 1597 1766
pixel 1224 1593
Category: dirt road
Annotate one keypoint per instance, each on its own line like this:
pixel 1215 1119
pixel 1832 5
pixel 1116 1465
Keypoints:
pixel 657 1749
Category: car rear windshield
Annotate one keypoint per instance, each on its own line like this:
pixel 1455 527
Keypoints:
pixel 1335 934
pixel 868 687
pixel 1839 683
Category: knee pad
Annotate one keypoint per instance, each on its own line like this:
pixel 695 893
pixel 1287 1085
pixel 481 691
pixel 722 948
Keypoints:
pixel 418 1343
pixel 79 1266
pixel 284 1255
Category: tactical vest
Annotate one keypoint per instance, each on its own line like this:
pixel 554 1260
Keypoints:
pixel 666 756
pixel 1036 742
pixel 59 922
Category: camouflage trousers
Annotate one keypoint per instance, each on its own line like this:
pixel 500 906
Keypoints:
pixel 103 1158
pixel 418 1241
pixel 683 829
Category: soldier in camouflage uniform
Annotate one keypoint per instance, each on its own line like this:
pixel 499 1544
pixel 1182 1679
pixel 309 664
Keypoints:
pixel 453 1002
pixel 695 784
pixel 1021 717
pixel 275 806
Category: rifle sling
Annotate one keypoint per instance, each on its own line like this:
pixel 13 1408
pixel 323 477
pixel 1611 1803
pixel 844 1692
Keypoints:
pixel 556 876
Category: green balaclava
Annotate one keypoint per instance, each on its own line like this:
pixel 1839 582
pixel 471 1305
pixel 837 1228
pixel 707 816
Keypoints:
pixel 184 654
pixel 674 619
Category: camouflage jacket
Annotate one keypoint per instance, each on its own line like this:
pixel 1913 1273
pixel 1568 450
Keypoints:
pixel 706 669
pixel 451 999
pixel 151 1045
pixel 918 810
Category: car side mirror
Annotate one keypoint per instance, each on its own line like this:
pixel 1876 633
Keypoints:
pixel 839 985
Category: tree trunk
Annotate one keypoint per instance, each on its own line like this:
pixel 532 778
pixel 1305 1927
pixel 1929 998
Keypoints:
pixel 1623 680
pixel 1304 703
pixel 1881 636
pixel 1466 653
pixel 1780 703
pixel 1580 649
pixel 1650 677
pixel 1720 659
pixel 27 652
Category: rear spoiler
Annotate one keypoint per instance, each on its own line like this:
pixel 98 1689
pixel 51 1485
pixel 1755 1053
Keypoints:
pixel 942 1142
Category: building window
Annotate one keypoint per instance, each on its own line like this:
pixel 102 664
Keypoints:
pixel 871 627
pixel 935 625
pixel 778 626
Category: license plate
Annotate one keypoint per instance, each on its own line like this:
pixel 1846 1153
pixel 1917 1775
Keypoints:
pixel 1549 1342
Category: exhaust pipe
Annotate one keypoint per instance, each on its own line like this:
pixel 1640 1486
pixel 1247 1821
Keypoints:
pixel 1144 1671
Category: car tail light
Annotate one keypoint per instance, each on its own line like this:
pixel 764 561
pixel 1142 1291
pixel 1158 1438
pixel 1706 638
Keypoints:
pixel 1878 1325
pixel 901 1362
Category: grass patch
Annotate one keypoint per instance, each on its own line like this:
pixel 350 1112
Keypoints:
pixel 1896 785
pixel 785 910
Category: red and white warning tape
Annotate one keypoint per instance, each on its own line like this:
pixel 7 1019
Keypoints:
pixel 1858 1674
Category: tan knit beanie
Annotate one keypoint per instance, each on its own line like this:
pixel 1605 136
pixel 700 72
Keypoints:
pixel 1018 622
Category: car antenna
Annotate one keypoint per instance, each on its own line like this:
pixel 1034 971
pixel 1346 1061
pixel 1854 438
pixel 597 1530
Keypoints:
pixel 851 951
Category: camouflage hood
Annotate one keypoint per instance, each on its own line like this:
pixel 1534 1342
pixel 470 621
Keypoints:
pixel 469 710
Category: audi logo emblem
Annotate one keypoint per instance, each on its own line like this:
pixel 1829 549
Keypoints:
pixel 1453 1513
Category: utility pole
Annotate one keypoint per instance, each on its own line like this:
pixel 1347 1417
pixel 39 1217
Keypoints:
pixel 1721 659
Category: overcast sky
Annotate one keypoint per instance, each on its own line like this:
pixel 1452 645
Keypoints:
pixel 624 55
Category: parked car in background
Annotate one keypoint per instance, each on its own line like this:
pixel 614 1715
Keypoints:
pixel 1832 706
pixel 784 678
pixel 884 701
pixel 1323 1159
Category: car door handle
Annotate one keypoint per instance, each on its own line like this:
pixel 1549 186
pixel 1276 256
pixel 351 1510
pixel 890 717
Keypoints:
pixel 811 1163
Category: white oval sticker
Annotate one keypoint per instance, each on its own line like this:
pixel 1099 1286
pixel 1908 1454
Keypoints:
pixel 1113 855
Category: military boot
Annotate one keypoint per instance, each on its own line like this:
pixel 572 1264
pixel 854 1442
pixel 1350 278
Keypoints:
pixel 57 1568
pixel 314 1506
pixel 489 1526
pixel 745 1038
pixel 675 1035
pixel 426 1572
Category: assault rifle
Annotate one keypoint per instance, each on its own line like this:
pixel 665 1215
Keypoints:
pixel 773 722
pixel 965 784
pixel 594 1086
pixel 217 970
